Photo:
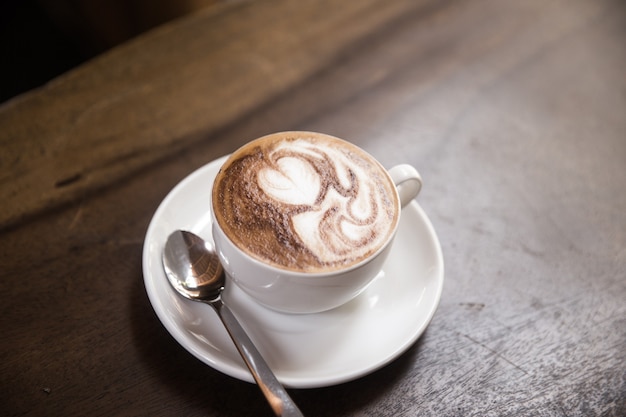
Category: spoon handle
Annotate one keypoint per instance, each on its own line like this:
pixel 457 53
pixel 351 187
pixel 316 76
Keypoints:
pixel 276 395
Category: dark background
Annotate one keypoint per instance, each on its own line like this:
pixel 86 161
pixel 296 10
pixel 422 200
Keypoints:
pixel 33 48
pixel 41 39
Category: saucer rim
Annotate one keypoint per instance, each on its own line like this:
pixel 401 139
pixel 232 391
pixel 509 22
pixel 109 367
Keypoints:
pixel 150 252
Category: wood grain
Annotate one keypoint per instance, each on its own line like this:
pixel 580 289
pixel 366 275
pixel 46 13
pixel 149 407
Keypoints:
pixel 512 111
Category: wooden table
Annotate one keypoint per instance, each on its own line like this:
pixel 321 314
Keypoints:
pixel 514 113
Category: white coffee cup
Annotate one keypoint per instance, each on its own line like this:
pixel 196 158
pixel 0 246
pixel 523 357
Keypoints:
pixel 289 289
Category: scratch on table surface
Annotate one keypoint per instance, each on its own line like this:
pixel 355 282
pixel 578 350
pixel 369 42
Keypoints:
pixel 76 217
pixel 473 306
pixel 109 101
pixel 496 353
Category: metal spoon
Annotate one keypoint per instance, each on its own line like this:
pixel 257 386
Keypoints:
pixel 194 270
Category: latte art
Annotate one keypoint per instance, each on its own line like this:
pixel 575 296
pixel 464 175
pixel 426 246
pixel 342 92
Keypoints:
pixel 305 201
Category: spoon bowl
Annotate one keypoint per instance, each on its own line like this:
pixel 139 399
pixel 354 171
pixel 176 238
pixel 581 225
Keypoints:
pixel 192 267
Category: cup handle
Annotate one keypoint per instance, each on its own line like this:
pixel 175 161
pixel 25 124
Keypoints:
pixel 408 182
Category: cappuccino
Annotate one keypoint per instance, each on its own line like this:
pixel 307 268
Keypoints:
pixel 305 202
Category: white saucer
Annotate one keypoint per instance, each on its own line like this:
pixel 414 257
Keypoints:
pixel 305 351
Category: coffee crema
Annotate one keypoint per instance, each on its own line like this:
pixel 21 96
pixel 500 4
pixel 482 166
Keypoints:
pixel 305 202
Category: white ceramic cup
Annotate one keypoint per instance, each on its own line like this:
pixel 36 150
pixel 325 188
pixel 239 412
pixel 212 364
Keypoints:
pixel 310 292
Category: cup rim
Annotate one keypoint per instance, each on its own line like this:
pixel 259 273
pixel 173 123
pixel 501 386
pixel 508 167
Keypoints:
pixel 319 274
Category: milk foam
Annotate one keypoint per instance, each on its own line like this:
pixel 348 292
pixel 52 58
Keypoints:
pixel 310 203
pixel 290 182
